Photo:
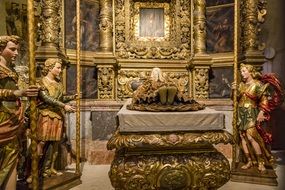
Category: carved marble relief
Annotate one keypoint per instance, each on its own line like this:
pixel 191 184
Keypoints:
pixel 173 44
pixel 129 80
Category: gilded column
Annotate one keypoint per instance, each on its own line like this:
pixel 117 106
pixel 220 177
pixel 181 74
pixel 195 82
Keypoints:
pixel 199 26
pixel 50 18
pixel 106 26
pixel 253 13
pixel 50 31
pixel 201 60
pixel 250 25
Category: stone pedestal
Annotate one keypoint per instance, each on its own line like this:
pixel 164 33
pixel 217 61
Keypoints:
pixel 155 152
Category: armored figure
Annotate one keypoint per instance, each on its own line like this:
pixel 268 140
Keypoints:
pixel 52 108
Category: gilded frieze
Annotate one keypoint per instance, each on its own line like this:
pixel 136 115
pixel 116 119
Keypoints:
pixel 175 140
pixel 128 81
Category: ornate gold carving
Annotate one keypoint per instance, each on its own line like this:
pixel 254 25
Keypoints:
pixel 200 26
pixel 208 170
pixel 174 45
pixel 106 26
pixel 171 140
pixel 126 78
pixel 201 82
pixel 254 12
pixel 106 82
pixel 50 18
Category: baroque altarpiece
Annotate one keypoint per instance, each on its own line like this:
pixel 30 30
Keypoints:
pixel 121 41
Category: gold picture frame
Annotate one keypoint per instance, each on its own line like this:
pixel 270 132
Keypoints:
pixel 151 21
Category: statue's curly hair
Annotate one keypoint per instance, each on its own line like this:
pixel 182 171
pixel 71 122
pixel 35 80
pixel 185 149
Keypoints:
pixel 252 70
pixel 49 64
pixel 5 39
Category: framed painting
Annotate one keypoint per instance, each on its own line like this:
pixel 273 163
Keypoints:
pixel 218 2
pixel 220 22
pixel 89 24
pixel 88 82
pixel 221 79
pixel 151 21
pixel 15 18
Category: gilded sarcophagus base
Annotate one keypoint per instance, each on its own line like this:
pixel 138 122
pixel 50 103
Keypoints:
pixel 169 170
pixel 169 150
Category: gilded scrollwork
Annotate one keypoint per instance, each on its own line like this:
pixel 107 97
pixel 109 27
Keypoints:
pixel 50 16
pixel 129 78
pixel 209 170
pixel 105 82
pixel 174 44
pixel 201 82
pixel 171 140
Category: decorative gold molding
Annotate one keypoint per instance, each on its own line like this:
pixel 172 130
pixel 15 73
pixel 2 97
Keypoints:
pixel 170 140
